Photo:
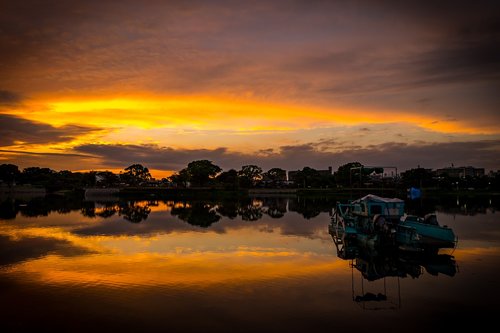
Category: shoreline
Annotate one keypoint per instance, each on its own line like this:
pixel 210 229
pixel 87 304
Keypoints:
pixel 99 193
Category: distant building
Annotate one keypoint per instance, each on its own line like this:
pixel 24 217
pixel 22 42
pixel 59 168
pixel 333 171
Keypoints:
pixel 292 175
pixel 460 172
pixel 279 177
pixel 493 174
pixel 99 178
pixel 325 172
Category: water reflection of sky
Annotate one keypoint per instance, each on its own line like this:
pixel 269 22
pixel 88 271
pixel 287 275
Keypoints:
pixel 73 247
pixel 279 272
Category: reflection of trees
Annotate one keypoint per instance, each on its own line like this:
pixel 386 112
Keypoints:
pixel 37 207
pixel 276 207
pixel 106 212
pixel 42 206
pixel 201 212
pixel 8 210
pixel 250 210
pixel 197 213
pixel 250 213
pixel 204 212
pixel 134 212
pixel 88 209
pixel 311 207
pixel 228 208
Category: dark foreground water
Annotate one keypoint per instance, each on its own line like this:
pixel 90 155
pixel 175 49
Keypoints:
pixel 234 265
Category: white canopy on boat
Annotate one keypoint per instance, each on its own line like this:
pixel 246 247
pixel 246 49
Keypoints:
pixel 376 198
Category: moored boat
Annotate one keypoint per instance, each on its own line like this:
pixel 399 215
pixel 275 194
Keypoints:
pixel 373 221
pixel 377 221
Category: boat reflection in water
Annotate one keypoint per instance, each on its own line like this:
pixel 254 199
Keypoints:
pixel 382 265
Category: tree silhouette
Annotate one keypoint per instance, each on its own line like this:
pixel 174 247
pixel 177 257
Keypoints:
pixel 201 171
pixel 107 178
pixel 180 179
pixel 275 176
pixel 9 173
pixel 417 177
pixel 229 179
pixel 136 174
pixel 250 175
pixel 345 176
pixel 37 176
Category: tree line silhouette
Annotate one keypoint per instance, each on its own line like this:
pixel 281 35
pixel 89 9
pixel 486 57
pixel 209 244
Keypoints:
pixel 204 173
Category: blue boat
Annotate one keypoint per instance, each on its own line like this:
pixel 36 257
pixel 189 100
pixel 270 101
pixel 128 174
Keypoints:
pixel 430 232
pixel 376 221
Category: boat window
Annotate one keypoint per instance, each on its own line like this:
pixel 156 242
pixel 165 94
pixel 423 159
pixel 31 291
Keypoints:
pixel 376 209
pixel 430 219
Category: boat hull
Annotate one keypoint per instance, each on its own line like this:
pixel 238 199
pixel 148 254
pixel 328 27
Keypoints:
pixel 433 235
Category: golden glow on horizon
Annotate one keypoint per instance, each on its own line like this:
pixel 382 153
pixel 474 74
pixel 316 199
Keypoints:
pixel 198 123
pixel 156 173
pixel 208 113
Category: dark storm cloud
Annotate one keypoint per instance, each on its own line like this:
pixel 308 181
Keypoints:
pixel 430 155
pixel 28 27
pixel 466 57
pixel 402 155
pixel 57 155
pixel 14 129
pixel 469 53
pixel 154 156
pixel 202 46
pixel 55 161
pixel 425 47
pixel 8 98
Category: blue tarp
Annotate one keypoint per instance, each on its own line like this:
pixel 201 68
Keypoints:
pixel 414 193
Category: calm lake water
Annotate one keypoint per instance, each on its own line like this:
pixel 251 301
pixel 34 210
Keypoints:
pixel 234 265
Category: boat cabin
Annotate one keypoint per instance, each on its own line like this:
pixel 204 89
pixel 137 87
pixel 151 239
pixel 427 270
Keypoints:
pixel 371 205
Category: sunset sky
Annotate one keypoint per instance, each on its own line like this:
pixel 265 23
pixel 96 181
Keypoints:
pixel 96 85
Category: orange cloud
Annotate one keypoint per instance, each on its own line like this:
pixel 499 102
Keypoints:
pixel 148 111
